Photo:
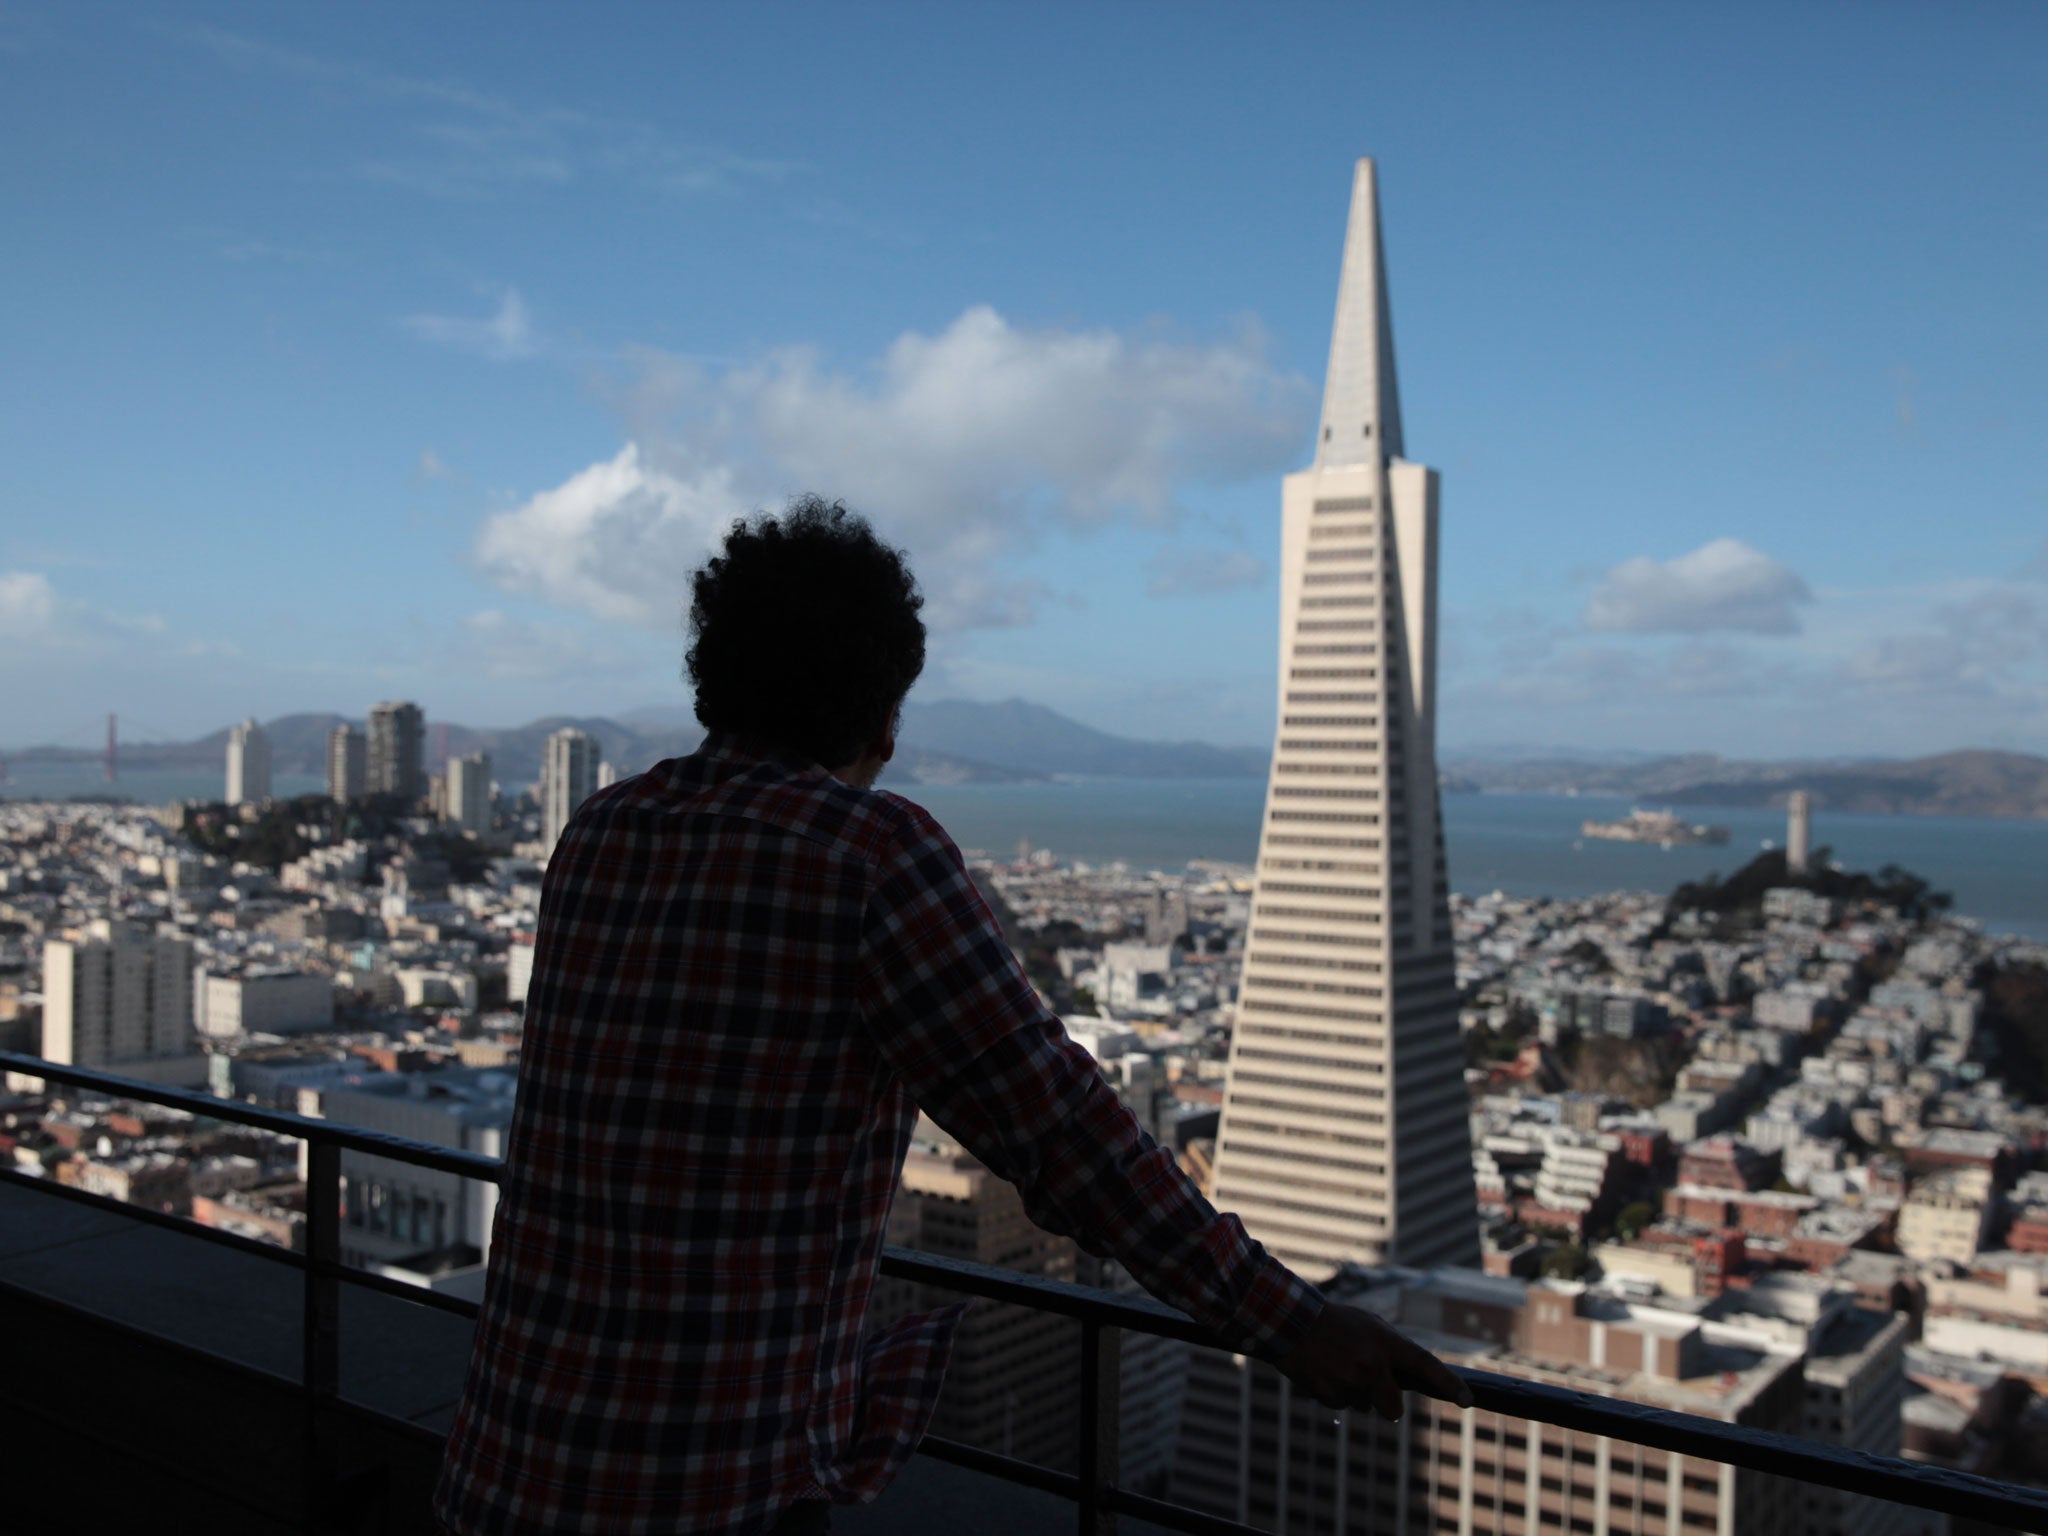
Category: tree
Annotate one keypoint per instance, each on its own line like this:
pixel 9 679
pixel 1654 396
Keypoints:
pixel 1633 1218
pixel 1737 901
pixel 1567 1261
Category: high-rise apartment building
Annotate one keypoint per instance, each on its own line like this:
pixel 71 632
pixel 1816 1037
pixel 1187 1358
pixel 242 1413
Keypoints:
pixel 1798 831
pixel 346 758
pixel 568 777
pixel 468 792
pixel 116 995
pixel 248 764
pixel 1344 1136
pixel 394 762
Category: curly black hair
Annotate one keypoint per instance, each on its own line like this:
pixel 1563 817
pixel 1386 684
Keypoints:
pixel 805 633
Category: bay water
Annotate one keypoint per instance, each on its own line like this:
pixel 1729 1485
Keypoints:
pixel 1525 845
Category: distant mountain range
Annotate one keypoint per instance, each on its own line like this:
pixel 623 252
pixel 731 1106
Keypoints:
pixel 957 742
pixel 1949 784
pixel 943 743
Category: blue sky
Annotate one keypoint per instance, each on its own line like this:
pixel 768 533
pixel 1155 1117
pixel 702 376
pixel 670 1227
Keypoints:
pixel 419 351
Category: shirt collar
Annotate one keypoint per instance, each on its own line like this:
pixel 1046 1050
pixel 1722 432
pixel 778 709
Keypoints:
pixel 726 746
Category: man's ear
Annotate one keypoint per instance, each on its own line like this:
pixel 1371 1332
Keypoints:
pixel 885 749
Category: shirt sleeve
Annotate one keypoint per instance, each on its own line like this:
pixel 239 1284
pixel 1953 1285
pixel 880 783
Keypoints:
pixel 953 1013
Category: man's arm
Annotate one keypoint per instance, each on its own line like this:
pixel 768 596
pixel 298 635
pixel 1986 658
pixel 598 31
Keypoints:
pixel 954 1014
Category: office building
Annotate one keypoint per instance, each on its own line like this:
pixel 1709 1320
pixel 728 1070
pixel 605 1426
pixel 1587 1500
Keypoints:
pixel 468 792
pixel 399 1212
pixel 118 996
pixel 568 777
pixel 397 738
pixel 248 764
pixel 1254 1451
pixel 346 760
pixel 261 1000
pixel 1798 831
pixel 1344 1136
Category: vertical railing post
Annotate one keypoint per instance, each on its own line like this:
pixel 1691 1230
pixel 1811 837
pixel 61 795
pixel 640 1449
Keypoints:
pixel 1102 1381
pixel 321 1321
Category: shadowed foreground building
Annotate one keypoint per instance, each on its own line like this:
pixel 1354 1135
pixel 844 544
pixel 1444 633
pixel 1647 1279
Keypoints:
pixel 1807 1362
pixel 1014 1373
pixel 1344 1136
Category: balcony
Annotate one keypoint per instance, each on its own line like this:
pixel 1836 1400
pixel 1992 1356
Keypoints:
pixel 202 1380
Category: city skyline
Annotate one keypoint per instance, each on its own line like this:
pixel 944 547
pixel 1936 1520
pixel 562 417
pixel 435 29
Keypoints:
pixel 421 361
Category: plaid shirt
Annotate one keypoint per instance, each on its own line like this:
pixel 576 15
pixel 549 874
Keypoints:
pixel 749 976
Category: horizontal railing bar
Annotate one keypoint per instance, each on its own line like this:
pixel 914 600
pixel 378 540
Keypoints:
pixel 405 1290
pixel 468 1165
pixel 1175 1517
pixel 1885 1477
pixel 1085 1303
pixel 274 1253
pixel 1888 1478
pixel 1028 1473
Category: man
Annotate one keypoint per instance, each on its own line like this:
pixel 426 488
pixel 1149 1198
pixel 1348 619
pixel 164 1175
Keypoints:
pixel 752 969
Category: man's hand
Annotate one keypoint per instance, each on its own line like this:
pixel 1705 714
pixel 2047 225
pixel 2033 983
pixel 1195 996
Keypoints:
pixel 1350 1359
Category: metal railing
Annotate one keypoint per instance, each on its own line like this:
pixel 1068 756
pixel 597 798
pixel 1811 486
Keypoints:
pixel 1102 1315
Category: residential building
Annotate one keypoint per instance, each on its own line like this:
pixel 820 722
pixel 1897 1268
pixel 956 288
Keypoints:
pixel 1947 1216
pixel 268 1000
pixel 568 777
pixel 1727 1162
pixel 248 764
pixel 1344 1135
pixel 519 968
pixel 346 764
pixel 394 761
pixel 467 796
pixel 118 996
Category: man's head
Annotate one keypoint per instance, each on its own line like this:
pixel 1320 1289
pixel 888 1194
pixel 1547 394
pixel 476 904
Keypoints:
pixel 805 636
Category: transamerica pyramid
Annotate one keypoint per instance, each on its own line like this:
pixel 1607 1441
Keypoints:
pixel 1344 1134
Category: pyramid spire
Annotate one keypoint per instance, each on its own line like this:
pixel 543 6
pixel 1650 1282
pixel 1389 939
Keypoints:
pixel 1361 421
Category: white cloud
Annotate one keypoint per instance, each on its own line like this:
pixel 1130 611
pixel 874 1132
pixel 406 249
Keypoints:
pixel 431 466
pixel 1173 571
pixel 502 336
pixel 1725 585
pixel 28 605
pixel 38 621
pixel 964 447
pixel 1988 642
pixel 617 540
